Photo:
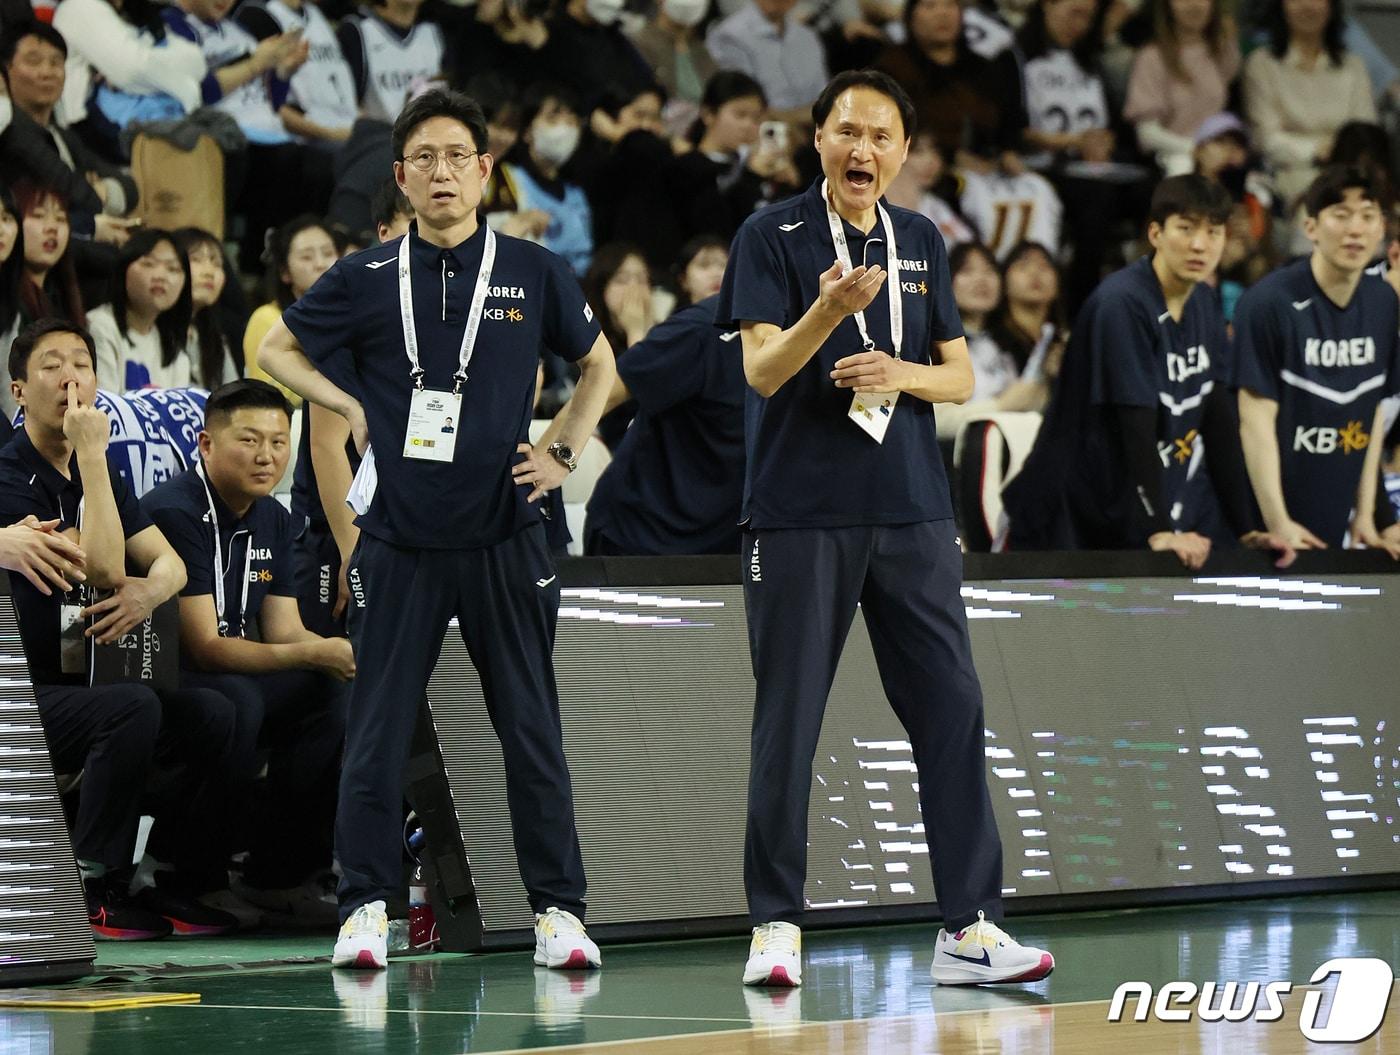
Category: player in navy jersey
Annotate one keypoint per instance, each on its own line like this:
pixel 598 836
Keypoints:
pixel 1142 404
pixel 850 335
pixel 1316 352
pixel 449 322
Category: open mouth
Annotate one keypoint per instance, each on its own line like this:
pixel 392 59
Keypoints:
pixel 859 179
pixel 444 195
pixel 50 245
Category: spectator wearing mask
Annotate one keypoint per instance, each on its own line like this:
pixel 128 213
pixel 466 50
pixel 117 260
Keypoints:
pixel 1315 354
pixel 55 473
pixel 587 51
pixel 208 349
pixel 1142 400
pixel 11 276
pixel 1181 77
pixel 675 482
pixel 49 286
pixel 733 170
pixel 391 49
pixel 143 330
pixel 37 148
pixel 532 179
pixel 970 105
pixel 765 41
pixel 1302 87
pixel 322 106
pixel 671 44
pixel 241 635
pixel 300 252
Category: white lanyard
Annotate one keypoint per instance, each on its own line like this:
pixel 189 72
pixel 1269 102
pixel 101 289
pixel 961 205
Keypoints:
pixel 410 330
pixel 892 287
pixel 219 597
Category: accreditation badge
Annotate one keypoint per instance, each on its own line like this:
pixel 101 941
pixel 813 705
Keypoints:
pixel 433 420
pixel 873 411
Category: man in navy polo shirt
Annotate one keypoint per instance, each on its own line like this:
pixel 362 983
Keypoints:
pixel 241 634
pixel 675 483
pixel 449 321
pixel 1143 404
pixel 55 472
pixel 1316 352
pixel 850 335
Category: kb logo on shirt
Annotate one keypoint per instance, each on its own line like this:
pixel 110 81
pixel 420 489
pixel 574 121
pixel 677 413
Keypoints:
pixel 265 575
pixel 1320 439
pixel 504 314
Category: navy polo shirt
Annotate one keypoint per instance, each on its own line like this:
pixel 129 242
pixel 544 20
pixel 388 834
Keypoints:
pixel 180 508
pixel 350 318
pixel 1327 366
pixel 675 483
pixel 29 485
pixel 1127 351
pixel 807 464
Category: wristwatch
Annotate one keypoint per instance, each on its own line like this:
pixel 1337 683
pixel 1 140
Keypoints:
pixel 564 454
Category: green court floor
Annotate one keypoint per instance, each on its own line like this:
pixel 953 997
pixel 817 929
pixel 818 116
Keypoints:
pixel 500 1002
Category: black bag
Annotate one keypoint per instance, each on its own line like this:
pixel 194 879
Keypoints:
pixel 148 654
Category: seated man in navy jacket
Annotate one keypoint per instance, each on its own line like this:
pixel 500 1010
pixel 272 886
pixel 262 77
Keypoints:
pixel 55 478
pixel 241 633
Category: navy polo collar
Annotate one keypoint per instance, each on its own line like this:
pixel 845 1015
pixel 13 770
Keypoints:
pixel 425 254
pixel 221 508
pixel 814 205
pixel 51 478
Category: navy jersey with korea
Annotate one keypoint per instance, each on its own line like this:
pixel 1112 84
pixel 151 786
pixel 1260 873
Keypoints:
pixel 1327 367
pixel 807 463
pixel 675 483
pixel 352 316
pixel 180 508
pixel 1125 351
pixel 30 485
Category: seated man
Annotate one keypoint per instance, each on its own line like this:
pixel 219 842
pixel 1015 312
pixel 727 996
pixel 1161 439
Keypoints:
pixel 241 633
pixel 1142 403
pixel 54 476
pixel 676 483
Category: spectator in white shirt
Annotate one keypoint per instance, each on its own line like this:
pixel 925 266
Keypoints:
pixel 142 333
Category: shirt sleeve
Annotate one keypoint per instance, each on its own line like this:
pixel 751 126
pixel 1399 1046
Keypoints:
pixel 946 323
pixel 1255 362
pixel 18 500
pixel 570 328
pixel 668 366
pixel 134 519
pixel 187 536
pixel 755 282
pixel 323 320
pixel 1121 348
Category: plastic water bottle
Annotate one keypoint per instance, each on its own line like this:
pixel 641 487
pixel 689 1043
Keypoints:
pixel 422 924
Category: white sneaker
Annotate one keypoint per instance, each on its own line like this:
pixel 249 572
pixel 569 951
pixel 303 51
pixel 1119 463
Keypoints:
pixel 364 939
pixel 775 955
pixel 561 941
pixel 984 952
pixel 249 916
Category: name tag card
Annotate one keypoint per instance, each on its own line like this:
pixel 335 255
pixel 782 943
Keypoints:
pixel 872 411
pixel 73 646
pixel 432 425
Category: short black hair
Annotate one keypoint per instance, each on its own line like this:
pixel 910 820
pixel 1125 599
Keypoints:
pixel 439 102
pixel 874 80
pixel 1191 195
pixel 1332 183
pixel 29 337
pixel 388 204
pixel 244 393
pixel 29 27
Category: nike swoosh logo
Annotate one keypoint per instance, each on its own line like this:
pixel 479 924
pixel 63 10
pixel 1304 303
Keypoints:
pixel 542 583
pixel 791 226
pixel 985 960
pixel 376 265
pixel 1299 305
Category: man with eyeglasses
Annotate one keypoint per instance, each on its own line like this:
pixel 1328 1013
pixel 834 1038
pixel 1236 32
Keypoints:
pixel 448 322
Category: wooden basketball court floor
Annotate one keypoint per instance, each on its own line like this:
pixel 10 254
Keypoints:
pixel 865 990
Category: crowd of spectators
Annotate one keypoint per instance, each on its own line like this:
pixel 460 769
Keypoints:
pixel 632 139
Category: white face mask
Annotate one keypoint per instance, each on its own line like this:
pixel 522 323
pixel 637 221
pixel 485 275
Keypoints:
pixel 604 12
pixel 685 12
pixel 556 143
